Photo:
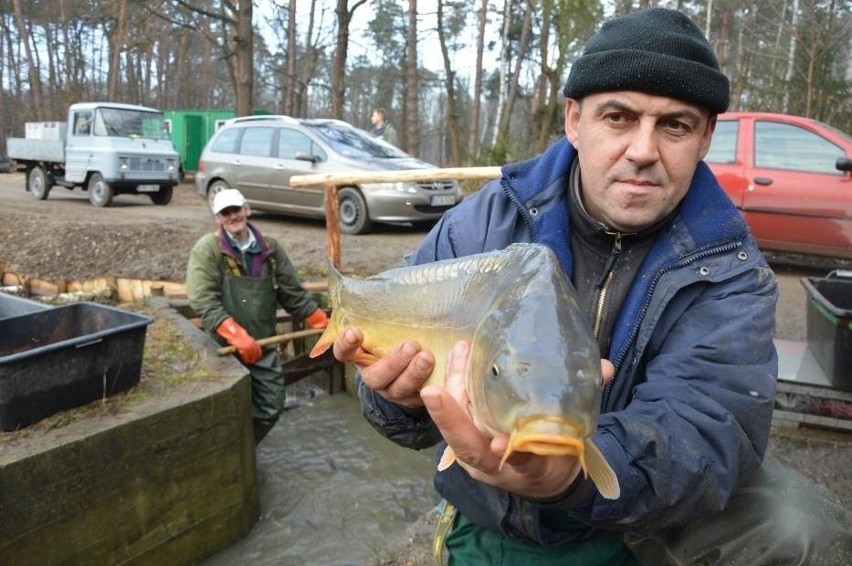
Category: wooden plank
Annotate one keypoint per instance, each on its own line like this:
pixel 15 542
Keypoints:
pixel 449 173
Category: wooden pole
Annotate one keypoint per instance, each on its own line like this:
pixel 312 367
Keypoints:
pixel 277 339
pixel 332 223
pixel 333 180
pixel 451 173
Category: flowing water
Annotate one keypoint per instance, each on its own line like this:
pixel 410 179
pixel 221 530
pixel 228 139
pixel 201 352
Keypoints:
pixel 332 490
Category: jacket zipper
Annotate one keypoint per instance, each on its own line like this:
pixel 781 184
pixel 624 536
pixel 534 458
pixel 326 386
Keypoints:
pixel 605 282
pixel 619 359
pixel 525 215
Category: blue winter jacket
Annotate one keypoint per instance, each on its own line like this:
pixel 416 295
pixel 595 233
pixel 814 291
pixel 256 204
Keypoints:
pixel 686 419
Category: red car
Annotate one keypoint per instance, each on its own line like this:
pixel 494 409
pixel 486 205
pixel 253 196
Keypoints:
pixel 790 177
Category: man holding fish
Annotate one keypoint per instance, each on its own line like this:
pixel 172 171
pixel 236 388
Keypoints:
pixel 675 293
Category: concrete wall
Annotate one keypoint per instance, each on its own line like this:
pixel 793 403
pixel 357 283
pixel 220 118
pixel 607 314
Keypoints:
pixel 169 482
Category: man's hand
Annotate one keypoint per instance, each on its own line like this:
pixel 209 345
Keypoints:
pixel 398 376
pixel 317 319
pixel 526 474
pixel 247 347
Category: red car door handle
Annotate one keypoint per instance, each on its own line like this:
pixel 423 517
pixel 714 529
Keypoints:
pixel 762 181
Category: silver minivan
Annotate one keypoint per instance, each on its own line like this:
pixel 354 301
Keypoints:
pixel 259 154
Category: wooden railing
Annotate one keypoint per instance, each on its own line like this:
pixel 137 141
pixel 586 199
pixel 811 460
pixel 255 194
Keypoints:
pixel 331 181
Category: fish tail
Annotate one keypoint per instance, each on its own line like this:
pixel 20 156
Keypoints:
pixel 332 331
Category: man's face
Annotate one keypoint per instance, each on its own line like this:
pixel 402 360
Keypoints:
pixel 234 219
pixel 638 153
pixel 376 118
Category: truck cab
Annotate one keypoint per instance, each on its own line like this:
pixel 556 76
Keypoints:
pixel 106 149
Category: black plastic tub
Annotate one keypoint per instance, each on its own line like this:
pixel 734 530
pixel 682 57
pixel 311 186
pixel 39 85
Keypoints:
pixel 829 325
pixel 64 357
pixel 16 306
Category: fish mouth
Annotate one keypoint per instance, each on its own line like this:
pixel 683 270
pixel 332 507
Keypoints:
pixel 545 436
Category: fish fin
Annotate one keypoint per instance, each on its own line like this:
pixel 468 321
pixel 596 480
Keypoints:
pixel 601 473
pixel 365 358
pixel 326 339
pixel 324 342
pixel 448 458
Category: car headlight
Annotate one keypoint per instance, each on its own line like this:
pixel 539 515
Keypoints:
pixel 123 166
pixel 401 187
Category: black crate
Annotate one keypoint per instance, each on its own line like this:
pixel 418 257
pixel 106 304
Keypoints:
pixel 63 357
pixel 16 306
pixel 829 326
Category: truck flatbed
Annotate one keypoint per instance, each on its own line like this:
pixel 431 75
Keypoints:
pixel 38 150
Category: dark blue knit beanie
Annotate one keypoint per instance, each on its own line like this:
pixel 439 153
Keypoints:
pixel 656 51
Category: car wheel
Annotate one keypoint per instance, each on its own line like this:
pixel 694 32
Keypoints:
pixel 215 188
pixel 38 183
pixel 163 196
pixel 100 191
pixel 354 217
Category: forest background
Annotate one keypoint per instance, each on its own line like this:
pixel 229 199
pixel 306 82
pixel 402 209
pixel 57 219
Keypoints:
pixel 312 58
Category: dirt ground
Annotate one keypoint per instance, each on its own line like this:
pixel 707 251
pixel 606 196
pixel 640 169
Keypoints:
pixel 65 237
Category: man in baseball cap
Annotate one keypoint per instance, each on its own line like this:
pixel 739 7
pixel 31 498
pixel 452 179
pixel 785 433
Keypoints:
pixel 235 280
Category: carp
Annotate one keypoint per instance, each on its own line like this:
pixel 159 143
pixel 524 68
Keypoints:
pixel 535 368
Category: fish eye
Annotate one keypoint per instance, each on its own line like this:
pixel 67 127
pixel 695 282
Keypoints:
pixel 495 371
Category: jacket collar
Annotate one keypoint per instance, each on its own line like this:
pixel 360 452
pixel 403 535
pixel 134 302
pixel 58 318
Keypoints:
pixel 705 221
pixel 257 259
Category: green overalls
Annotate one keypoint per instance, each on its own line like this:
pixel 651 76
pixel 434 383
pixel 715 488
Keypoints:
pixel 252 302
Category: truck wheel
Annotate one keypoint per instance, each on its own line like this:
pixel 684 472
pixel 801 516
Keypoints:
pixel 215 187
pixel 100 192
pixel 354 218
pixel 163 196
pixel 38 183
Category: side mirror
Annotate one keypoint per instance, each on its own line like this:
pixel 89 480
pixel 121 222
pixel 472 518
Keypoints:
pixel 305 156
pixel 844 164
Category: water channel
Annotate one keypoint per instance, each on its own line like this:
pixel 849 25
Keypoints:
pixel 332 490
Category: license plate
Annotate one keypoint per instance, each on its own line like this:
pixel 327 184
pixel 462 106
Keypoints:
pixel 147 188
pixel 443 200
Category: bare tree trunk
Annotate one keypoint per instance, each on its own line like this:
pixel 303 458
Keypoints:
pixel 411 139
pixel 452 110
pixel 290 99
pixel 33 71
pixel 309 63
pixel 504 70
pixel 523 44
pixel 244 52
pixel 791 55
pixel 116 46
pixel 473 139
pixel 723 43
pixel 338 70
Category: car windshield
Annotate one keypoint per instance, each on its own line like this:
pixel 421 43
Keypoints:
pixel 352 142
pixel 127 122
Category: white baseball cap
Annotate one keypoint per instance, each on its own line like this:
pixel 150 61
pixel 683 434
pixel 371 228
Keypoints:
pixel 227 198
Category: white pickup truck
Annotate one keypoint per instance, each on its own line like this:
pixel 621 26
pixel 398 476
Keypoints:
pixel 105 148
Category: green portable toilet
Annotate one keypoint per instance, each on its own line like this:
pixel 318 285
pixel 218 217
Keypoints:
pixel 190 129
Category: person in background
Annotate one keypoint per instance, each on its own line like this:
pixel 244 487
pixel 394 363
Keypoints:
pixel 681 301
pixel 381 127
pixel 235 280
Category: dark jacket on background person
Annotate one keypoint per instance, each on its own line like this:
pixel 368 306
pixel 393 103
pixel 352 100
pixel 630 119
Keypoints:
pixel 686 419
